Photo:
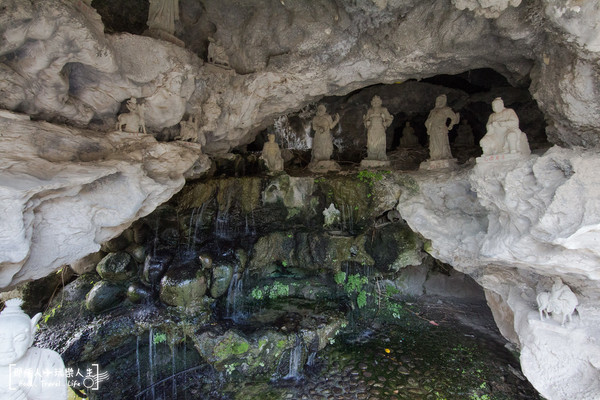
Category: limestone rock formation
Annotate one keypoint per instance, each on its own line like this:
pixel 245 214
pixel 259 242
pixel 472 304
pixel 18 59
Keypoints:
pixel 513 226
pixel 65 191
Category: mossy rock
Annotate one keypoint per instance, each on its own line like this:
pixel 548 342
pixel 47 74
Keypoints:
pixel 395 246
pixel 183 286
pixel 221 277
pixel 117 267
pixel 219 349
pixel 104 295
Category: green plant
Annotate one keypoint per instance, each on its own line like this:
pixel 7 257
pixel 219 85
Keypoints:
pixel 340 277
pixel 51 313
pixel 257 294
pixel 279 290
pixel 229 368
pixel 353 284
pixel 159 337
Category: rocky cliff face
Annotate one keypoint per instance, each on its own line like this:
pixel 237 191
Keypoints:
pixel 65 190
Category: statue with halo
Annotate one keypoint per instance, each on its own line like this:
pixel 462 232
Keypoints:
pixel 27 373
pixel 376 120
pixel 322 147
pixel 503 137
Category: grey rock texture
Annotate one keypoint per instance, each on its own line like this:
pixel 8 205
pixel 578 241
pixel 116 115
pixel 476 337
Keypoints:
pixel 64 191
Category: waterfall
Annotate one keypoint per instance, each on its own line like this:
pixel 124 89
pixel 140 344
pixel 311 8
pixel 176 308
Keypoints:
pixel 151 351
pixel 234 309
pixel 222 225
pixel 310 361
pixel 173 366
pixel 137 362
pixel 295 361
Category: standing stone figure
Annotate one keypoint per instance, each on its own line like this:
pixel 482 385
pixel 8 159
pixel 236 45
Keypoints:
pixel 271 154
pixel 190 131
pixel 376 120
pixel 27 372
pixel 322 123
pixel 438 128
pixel 162 15
pixel 503 135
pixel 408 139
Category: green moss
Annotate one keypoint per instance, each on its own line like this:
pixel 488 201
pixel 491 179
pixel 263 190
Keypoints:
pixel 281 344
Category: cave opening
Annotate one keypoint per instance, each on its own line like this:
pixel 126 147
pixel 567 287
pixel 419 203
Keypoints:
pixel 469 93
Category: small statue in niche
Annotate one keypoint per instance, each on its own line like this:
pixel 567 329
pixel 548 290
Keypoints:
pixel 408 139
pixel 464 137
pixel 560 301
pixel 134 119
pixel 331 216
pixel 438 127
pixel 271 154
pixel 217 54
pixel 189 131
pixel 17 332
pixel 322 147
pixel 376 120
pixel 503 135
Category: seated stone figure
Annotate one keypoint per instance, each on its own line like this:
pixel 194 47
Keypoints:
pixel 503 134
pixel 271 154
pixel 408 139
pixel 27 372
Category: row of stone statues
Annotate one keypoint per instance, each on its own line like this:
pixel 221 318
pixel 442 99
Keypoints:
pixel 503 136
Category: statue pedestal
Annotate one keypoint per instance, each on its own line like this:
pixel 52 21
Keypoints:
pixel 370 164
pixel 324 166
pixel 438 164
pixel 494 158
pixel 162 35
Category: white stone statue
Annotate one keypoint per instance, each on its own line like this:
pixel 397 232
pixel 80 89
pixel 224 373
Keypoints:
pixel 271 154
pixel 331 216
pixel 217 54
pixel 27 372
pixel 162 15
pixel 503 135
pixel 438 127
pixel 376 120
pixel 560 302
pixel 322 145
pixel 408 139
pixel 189 131
pixel 134 119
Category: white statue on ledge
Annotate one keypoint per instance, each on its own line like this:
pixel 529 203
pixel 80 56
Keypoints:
pixel 134 119
pixel 438 127
pixel 376 120
pixel 27 372
pixel 560 302
pixel 322 146
pixel 503 134
pixel 271 154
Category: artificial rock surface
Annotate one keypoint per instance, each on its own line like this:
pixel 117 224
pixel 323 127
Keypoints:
pixel 513 226
pixel 65 191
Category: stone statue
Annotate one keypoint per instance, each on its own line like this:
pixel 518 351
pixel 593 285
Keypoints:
pixel 560 301
pixel 217 54
pixel 190 131
pixel 503 135
pixel 438 127
pixel 162 15
pixel 376 120
pixel 408 139
pixel 331 215
pixel 322 146
pixel 271 154
pixel 27 372
pixel 134 119
pixel 465 135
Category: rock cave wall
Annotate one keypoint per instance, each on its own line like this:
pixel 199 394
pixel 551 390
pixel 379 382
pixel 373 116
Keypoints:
pixel 59 66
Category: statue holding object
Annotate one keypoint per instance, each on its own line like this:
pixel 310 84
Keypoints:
pixel 560 302
pixel 376 120
pixel 322 147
